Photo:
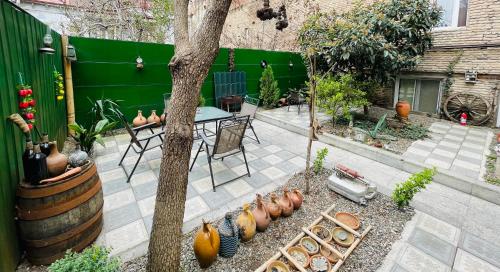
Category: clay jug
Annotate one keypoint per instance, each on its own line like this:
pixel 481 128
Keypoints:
pixel 153 118
pixel 139 120
pixel 286 204
pixel 78 157
pixel 273 207
pixel 229 237
pixel 206 245
pixel 403 109
pixel 297 198
pixel 261 214
pixel 163 117
pixel 246 224
pixel 44 144
pixel 56 162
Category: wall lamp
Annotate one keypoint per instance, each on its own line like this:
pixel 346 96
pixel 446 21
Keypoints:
pixel 47 44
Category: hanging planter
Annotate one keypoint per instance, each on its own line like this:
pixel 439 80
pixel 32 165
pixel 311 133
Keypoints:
pixel 58 85
pixel 26 102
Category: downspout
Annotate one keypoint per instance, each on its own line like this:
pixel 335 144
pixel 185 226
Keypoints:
pixel 68 78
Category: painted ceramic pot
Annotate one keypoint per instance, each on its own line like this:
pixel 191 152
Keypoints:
pixel 274 207
pixel 153 118
pixel 286 204
pixel 261 214
pixel 56 162
pixel 206 245
pixel 229 237
pixel 403 108
pixel 139 120
pixel 297 198
pixel 78 157
pixel 246 224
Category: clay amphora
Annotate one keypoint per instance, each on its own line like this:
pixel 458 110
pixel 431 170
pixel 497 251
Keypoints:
pixel 286 204
pixel 261 214
pixel 297 198
pixel 229 237
pixel 246 224
pixel 206 245
pixel 56 162
pixel 153 118
pixel 273 207
pixel 139 120
pixel 44 144
pixel 403 109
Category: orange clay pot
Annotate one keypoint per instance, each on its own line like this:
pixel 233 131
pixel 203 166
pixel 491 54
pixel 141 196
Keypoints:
pixel 286 204
pixel 206 245
pixel 261 214
pixel 246 224
pixel 297 198
pixel 403 108
pixel 274 207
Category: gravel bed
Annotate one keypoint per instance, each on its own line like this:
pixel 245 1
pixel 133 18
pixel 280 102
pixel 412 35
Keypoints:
pixel 490 175
pixel 387 222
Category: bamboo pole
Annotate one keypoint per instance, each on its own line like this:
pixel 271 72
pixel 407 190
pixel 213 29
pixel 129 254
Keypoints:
pixel 344 226
pixel 292 260
pixel 351 249
pixel 68 80
pixel 323 243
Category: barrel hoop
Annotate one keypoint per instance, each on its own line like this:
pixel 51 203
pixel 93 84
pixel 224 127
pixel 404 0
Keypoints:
pixel 66 235
pixel 56 189
pixel 77 248
pixel 37 214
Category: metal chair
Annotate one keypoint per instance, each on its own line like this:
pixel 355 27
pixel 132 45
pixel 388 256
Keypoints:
pixel 136 143
pixel 295 98
pixel 228 142
pixel 249 108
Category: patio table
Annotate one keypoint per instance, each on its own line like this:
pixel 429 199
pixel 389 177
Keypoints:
pixel 207 115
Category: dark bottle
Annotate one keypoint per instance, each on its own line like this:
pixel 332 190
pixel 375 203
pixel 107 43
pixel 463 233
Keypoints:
pixel 39 164
pixel 27 157
pixel 44 145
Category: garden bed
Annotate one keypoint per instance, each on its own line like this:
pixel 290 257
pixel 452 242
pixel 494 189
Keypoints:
pixel 396 140
pixel 387 221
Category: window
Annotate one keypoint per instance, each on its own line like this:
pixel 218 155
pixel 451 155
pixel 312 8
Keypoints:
pixel 423 94
pixel 454 12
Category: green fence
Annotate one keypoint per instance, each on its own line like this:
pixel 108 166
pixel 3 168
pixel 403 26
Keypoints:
pixel 107 68
pixel 21 35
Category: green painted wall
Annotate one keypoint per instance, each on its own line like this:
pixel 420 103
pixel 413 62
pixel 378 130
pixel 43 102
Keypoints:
pixel 106 68
pixel 20 37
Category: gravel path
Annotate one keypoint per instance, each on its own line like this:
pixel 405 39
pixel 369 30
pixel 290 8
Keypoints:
pixel 387 222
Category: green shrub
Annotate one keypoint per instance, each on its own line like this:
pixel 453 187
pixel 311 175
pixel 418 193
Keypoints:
pixel 87 136
pixel 411 131
pixel 404 192
pixel 320 158
pixel 380 124
pixel 269 91
pixel 92 259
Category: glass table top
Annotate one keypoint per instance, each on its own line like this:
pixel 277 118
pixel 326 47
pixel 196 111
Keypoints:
pixel 207 114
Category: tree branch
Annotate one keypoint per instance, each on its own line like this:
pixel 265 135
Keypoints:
pixel 181 30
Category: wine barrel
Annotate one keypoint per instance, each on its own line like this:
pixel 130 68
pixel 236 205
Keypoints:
pixel 64 215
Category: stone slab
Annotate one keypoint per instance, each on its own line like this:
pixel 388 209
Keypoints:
pixel 433 246
pixel 481 248
pixel 466 262
pixel 414 260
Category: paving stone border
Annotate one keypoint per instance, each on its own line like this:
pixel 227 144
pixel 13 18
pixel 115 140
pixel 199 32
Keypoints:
pixel 462 183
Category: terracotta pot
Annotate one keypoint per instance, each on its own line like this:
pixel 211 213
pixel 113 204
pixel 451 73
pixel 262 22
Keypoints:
pixel 297 198
pixel 153 118
pixel 206 245
pixel 261 214
pixel 286 204
pixel 56 162
pixel 139 120
pixel 403 108
pixel 163 117
pixel 246 224
pixel 273 207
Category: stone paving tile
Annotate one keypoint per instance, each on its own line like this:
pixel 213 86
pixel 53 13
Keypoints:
pixel 114 186
pixel 195 207
pixel 416 150
pixel 440 229
pixel 147 205
pixel 272 159
pixel 397 268
pixel 473 146
pixel 142 178
pixel 148 223
pixel 218 198
pixel 466 262
pixel 467 165
pixel 126 237
pixel 145 190
pixel 481 248
pixel 273 173
pixel 202 185
pixel 118 200
pixel 440 163
pixel 197 173
pixel 121 216
pixel 483 220
pixel 257 180
pixel 112 175
pixel 238 188
pixel 433 246
pixel 444 153
pixel 449 145
pixel 414 260
pixel 472 155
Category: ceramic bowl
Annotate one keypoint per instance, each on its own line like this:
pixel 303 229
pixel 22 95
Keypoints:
pixel 332 258
pixel 300 255
pixel 320 263
pixel 310 245
pixel 348 219
pixel 277 266
pixel 342 237
pixel 322 233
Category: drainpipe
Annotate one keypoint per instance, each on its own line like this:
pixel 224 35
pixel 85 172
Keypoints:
pixel 68 78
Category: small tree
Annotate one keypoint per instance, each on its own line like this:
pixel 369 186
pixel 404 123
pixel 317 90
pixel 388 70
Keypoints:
pixel 338 97
pixel 269 91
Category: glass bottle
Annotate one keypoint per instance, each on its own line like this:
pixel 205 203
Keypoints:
pixel 27 157
pixel 44 145
pixel 39 164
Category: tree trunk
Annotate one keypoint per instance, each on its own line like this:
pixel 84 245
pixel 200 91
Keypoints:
pixel 312 121
pixel 189 68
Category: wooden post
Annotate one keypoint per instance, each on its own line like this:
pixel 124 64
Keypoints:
pixel 340 224
pixel 68 80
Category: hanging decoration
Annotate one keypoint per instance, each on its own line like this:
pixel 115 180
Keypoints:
pixel 26 102
pixel 58 85
pixel 267 13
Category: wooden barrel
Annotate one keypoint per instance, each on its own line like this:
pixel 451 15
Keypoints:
pixel 63 215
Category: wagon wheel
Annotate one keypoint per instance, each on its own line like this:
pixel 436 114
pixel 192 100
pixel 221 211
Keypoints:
pixel 478 110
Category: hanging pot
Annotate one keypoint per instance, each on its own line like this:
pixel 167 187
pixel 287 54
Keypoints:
pixel 229 237
pixel 273 207
pixel 56 162
pixel 297 198
pixel 261 214
pixel 286 204
pixel 139 120
pixel 403 109
pixel 246 224
pixel 206 245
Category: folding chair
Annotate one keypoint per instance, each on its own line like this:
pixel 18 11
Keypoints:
pixel 249 108
pixel 295 98
pixel 138 144
pixel 228 142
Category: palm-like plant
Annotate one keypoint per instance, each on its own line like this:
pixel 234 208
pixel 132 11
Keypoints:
pixel 104 108
pixel 87 137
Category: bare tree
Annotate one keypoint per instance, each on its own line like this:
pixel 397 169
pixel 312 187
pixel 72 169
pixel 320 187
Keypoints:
pixel 189 67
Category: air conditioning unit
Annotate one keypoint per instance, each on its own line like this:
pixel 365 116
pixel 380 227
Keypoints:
pixel 470 76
